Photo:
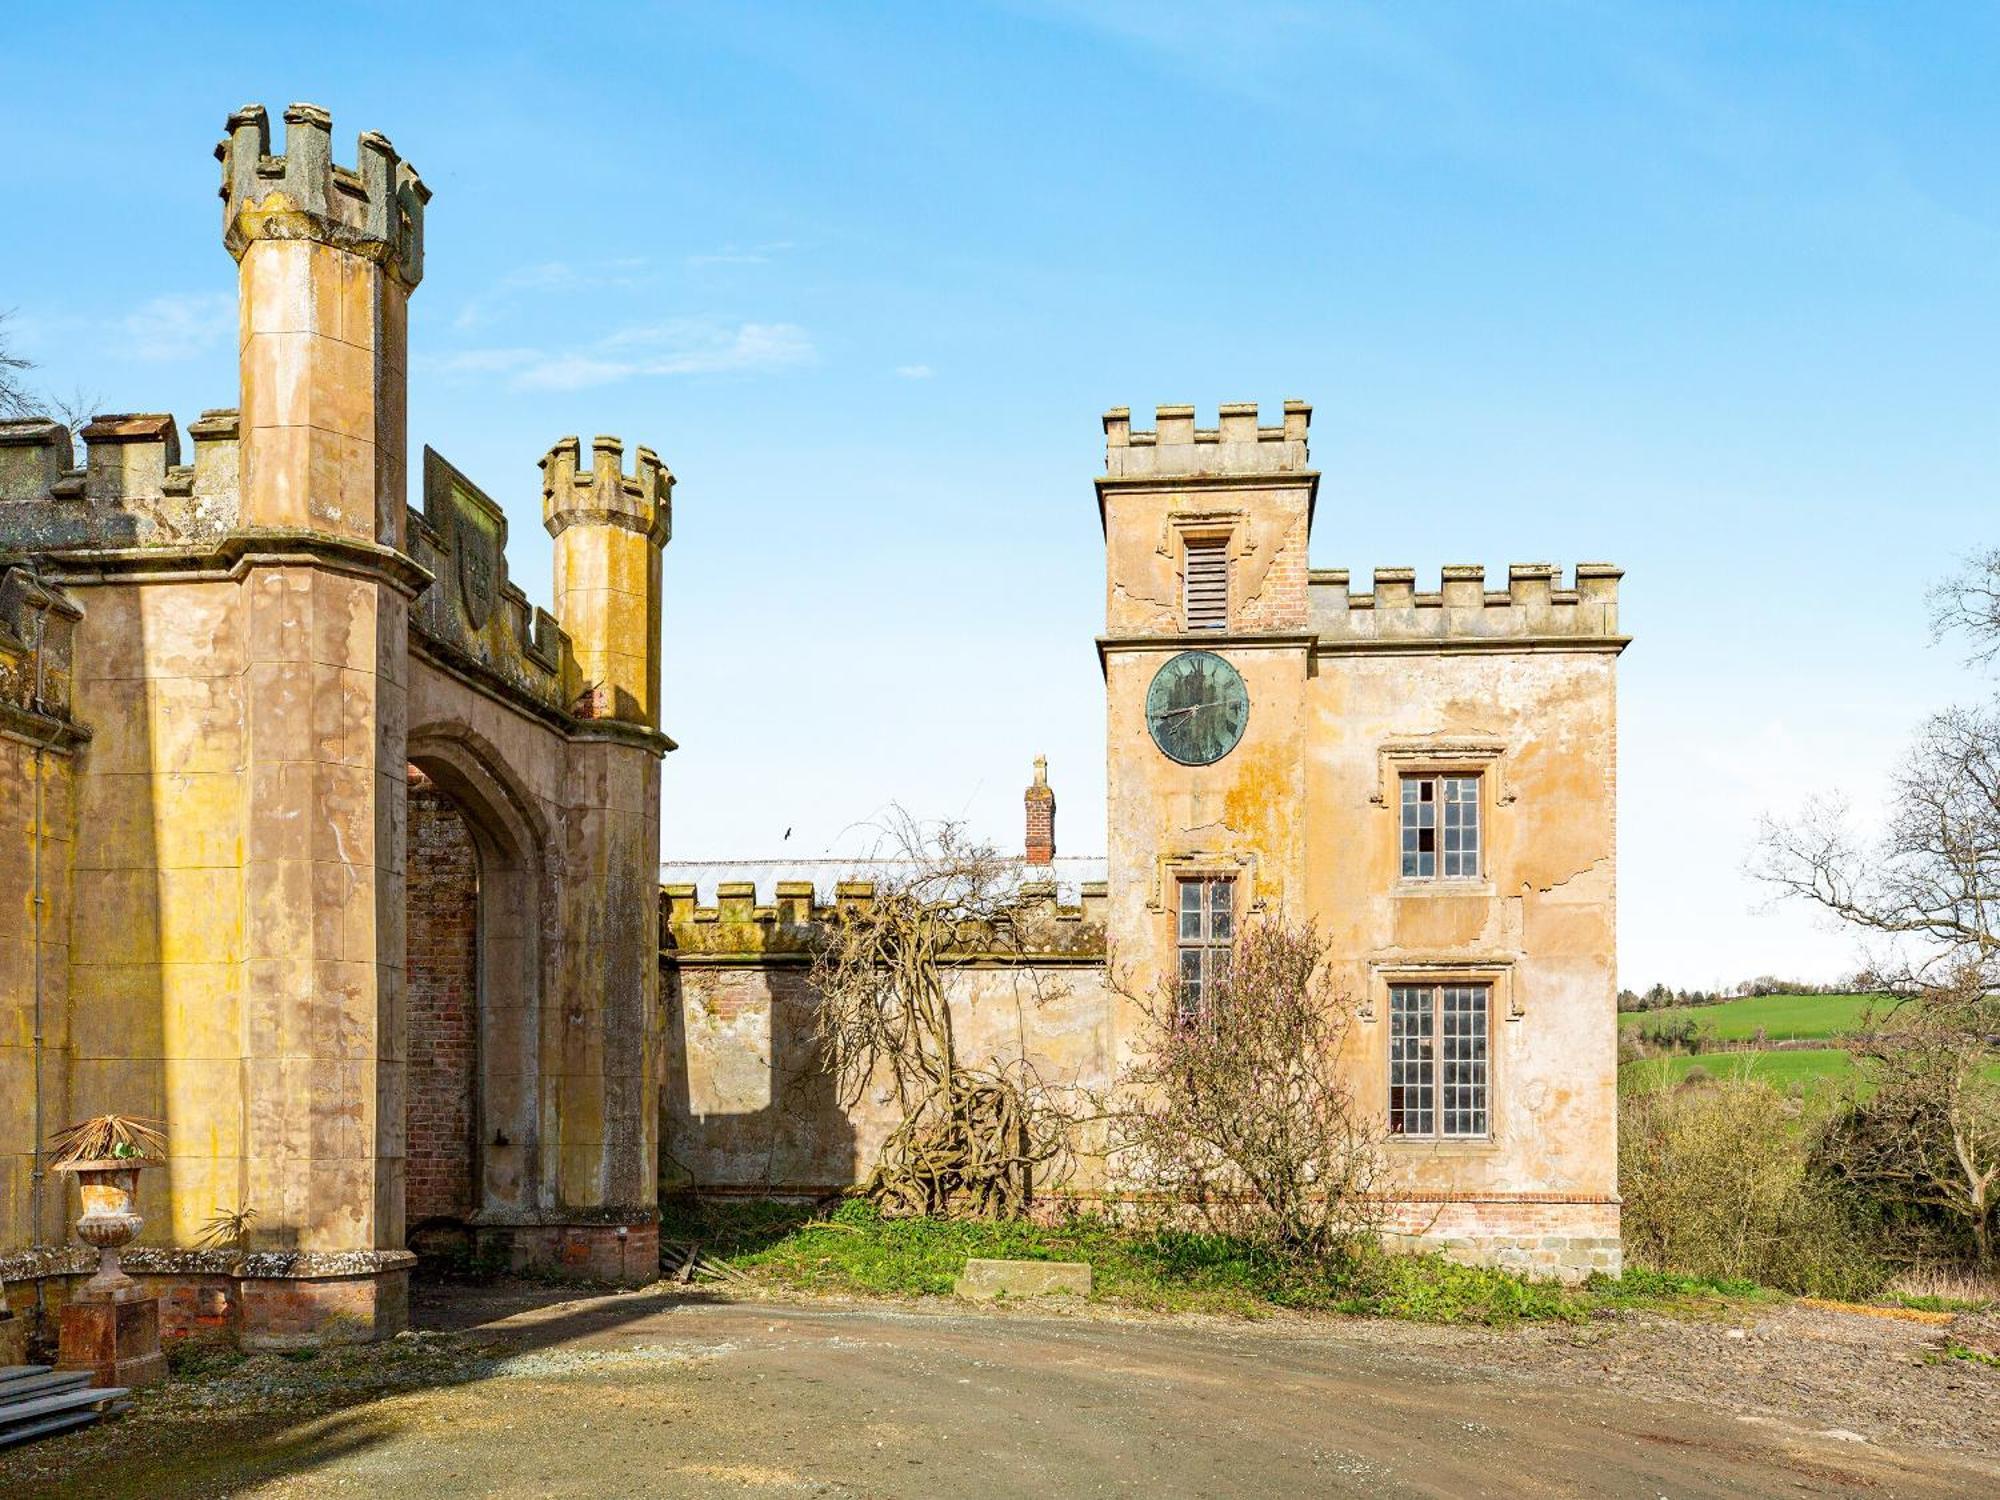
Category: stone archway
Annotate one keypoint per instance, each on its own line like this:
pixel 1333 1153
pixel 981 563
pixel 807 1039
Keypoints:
pixel 476 905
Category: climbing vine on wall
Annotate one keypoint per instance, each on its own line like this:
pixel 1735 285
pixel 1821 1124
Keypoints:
pixel 975 1137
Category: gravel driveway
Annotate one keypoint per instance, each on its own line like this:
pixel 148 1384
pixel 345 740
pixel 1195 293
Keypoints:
pixel 654 1394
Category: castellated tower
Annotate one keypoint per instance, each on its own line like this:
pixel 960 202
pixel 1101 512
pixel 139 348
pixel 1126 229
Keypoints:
pixel 261 646
pixel 609 527
pixel 1205 548
pixel 327 258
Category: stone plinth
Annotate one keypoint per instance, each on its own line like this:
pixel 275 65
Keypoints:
pixel 986 1279
pixel 116 1338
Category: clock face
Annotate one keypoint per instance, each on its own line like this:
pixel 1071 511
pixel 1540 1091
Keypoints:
pixel 1197 708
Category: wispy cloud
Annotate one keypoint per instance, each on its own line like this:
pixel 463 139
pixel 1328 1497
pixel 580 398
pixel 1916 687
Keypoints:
pixel 682 346
pixel 178 327
pixel 731 255
pixel 915 372
pixel 550 276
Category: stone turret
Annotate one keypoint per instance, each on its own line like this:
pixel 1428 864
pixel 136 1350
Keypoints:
pixel 327 258
pixel 609 527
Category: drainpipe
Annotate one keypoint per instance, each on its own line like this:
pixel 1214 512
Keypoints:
pixel 38 1188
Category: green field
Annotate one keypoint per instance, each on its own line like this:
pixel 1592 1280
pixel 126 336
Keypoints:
pixel 1782 1017
pixel 1807 1067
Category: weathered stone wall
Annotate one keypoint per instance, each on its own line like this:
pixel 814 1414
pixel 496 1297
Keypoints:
pixel 269 638
pixel 747 1107
pixel 1348 692
pixel 1539 925
pixel 443 971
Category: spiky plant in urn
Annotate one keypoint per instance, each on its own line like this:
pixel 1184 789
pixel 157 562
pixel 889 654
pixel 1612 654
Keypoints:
pixel 106 1153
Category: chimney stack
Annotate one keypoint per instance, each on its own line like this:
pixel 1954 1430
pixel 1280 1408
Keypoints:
pixel 1041 804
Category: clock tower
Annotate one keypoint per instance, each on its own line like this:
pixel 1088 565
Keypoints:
pixel 1206 650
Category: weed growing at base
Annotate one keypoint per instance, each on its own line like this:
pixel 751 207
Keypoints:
pixel 855 1250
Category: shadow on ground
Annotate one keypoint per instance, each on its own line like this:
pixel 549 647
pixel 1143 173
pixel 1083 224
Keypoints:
pixel 243 1421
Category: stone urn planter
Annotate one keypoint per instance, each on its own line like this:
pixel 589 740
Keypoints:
pixel 109 1187
pixel 110 1325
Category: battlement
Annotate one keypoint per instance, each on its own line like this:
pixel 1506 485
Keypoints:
pixel 740 924
pixel 604 494
pixel 1534 606
pixel 132 490
pixel 472 610
pixel 374 209
pixel 1236 445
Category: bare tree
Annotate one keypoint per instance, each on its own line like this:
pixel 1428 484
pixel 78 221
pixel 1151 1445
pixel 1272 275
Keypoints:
pixel 1239 1108
pixel 1923 1143
pixel 1924 1138
pixel 1929 887
pixel 16 398
pixel 1968 604
pixel 19 399
pixel 973 1137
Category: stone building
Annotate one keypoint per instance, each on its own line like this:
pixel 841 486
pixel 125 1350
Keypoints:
pixel 324 847
pixel 1428 776
pixel 356 1007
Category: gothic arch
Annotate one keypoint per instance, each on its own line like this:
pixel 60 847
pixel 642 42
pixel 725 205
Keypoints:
pixel 515 926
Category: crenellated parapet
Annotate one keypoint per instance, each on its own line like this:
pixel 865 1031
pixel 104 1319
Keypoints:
pixel 374 209
pixel 609 527
pixel 1236 445
pixel 131 491
pixel 604 494
pixel 473 614
pixel 1533 608
pixel 742 926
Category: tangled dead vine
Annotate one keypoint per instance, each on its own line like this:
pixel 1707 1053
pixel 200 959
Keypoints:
pixel 973 1139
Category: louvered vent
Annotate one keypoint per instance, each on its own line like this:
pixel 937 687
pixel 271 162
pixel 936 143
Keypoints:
pixel 1205 603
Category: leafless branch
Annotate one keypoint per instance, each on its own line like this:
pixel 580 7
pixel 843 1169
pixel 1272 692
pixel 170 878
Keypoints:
pixel 973 1139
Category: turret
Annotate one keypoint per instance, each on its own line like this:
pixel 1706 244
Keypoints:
pixel 609 527
pixel 1205 527
pixel 327 258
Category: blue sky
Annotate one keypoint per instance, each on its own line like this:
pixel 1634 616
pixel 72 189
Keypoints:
pixel 1708 291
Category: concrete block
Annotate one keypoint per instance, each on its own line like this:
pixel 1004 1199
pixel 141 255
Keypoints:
pixel 984 1280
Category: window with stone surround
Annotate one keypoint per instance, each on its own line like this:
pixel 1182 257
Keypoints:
pixel 1440 827
pixel 1205 583
pixel 1438 1050
pixel 1207 933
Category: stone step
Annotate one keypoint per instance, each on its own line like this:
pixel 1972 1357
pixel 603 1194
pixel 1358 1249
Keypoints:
pixel 28 1418
pixel 41 1383
pixel 47 1427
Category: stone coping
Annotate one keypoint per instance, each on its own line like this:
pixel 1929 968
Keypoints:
pixel 262 1265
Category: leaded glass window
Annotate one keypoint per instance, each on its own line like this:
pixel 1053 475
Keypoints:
pixel 1207 918
pixel 1440 827
pixel 1438 1059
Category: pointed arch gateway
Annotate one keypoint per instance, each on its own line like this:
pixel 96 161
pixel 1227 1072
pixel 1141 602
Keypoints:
pixel 480 912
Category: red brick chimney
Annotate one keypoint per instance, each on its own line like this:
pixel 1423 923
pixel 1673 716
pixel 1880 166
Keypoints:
pixel 1041 804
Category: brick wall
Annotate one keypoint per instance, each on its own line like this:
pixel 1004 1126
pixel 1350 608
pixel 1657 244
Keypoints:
pixel 443 1006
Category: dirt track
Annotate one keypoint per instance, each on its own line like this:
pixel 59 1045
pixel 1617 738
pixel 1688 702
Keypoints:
pixel 650 1394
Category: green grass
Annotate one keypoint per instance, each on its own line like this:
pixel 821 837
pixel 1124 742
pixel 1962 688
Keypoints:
pixel 1810 1068
pixel 1783 1017
pixel 857 1252
pixel 1955 1350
